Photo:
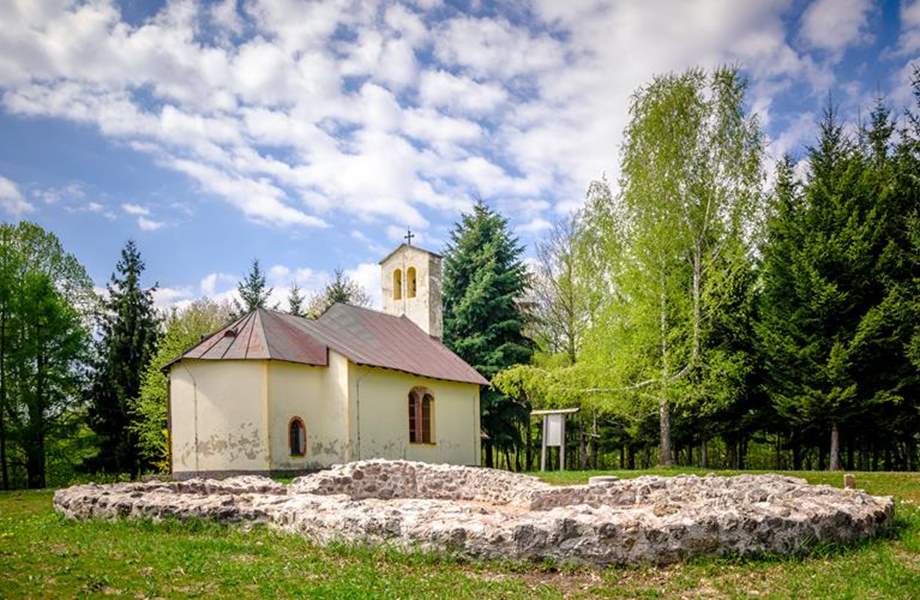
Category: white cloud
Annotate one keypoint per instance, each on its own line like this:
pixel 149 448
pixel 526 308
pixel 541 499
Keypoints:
pixel 836 24
pixel 225 15
pixel 494 47
pixel 221 287
pixel 909 37
pixel 135 209
pixel 536 225
pixel 443 89
pixel 209 283
pixel 367 275
pixel 147 224
pixel 164 297
pixel 298 115
pixel 70 192
pixel 11 200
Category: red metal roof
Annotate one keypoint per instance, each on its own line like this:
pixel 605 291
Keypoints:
pixel 364 336
pixel 260 334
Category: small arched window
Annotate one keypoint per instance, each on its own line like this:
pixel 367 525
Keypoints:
pixel 397 284
pixel 421 414
pixel 410 282
pixel 297 437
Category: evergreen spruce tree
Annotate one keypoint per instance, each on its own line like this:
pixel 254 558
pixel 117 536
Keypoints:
pixel 253 290
pixel 819 285
pixel 296 301
pixel 127 329
pixel 484 282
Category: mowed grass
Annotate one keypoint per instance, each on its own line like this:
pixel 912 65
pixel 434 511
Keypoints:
pixel 45 556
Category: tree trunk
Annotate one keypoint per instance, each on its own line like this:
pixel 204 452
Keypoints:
pixel 796 455
pixel 582 445
pixel 704 453
pixel 664 420
pixel 664 410
pixel 630 457
pixel 835 448
pixel 35 449
pixel 911 451
pixel 489 457
pixel 697 278
pixel 593 443
pixel 528 427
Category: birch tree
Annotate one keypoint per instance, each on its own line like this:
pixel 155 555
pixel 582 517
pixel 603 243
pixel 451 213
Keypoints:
pixel 690 187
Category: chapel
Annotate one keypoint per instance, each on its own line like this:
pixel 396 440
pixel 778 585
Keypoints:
pixel 272 393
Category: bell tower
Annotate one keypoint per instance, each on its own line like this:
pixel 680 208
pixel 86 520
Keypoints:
pixel 411 282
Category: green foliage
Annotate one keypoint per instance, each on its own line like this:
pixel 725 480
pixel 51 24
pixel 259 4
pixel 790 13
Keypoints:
pixel 296 301
pixel 341 289
pixel 669 250
pixel 562 298
pixel 45 299
pixel 183 328
pixel 483 285
pixel 840 280
pixel 127 337
pixel 253 290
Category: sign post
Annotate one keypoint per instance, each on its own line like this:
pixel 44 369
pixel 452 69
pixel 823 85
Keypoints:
pixel 553 433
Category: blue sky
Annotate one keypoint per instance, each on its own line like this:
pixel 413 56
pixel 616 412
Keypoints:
pixel 311 135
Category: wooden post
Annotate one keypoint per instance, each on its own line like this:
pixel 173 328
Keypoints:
pixel 543 445
pixel 562 443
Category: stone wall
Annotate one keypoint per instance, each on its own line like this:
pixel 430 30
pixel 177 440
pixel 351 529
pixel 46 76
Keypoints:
pixel 495 514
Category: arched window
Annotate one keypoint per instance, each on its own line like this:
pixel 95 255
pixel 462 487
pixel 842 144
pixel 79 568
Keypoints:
pixel 397 284
pixel 410 282
pixel 421 415
pixel 297 437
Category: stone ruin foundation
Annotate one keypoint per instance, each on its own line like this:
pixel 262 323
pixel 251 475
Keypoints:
pixel 484 513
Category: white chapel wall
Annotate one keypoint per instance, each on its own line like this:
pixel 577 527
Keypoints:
pixel 380 417
pixel 318 396
pixel 222 404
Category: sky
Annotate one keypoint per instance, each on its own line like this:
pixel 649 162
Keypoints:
pixel 313 135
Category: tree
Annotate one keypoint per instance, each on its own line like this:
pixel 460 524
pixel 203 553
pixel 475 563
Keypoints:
pixel 52 345
pixel 127 338
pixel 183 328
pixel 253 290
pixel 341 289
pixel 562 302
pixel 296 301
pixel 484 283
pixel 45 300
pixel 831 293
pixel 691 178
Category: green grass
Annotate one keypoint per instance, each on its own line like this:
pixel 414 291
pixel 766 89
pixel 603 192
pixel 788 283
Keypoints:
pixel 45 556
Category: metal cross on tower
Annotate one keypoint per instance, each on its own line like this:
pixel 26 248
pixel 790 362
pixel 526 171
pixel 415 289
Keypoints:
pixel 408 237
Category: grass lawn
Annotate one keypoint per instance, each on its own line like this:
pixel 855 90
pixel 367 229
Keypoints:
pixel 45 556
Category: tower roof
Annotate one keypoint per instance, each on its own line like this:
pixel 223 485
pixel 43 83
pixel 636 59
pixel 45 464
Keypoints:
pixel 404 245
